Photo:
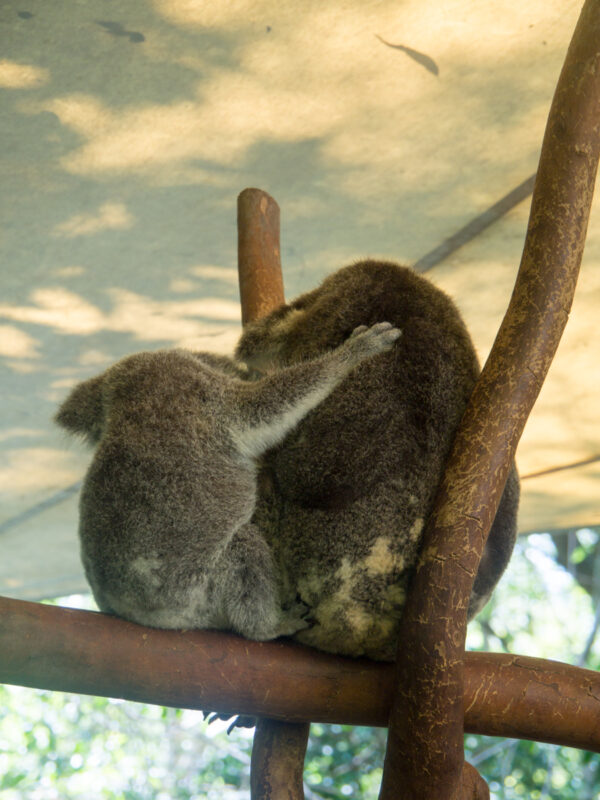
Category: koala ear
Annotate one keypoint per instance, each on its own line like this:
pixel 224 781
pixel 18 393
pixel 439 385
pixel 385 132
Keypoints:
pixel 83 410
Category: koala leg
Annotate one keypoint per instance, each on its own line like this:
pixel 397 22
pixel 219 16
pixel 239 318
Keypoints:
pixel 269 408
pixel 250 594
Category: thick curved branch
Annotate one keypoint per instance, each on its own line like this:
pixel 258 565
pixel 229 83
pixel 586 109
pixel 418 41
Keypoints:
pixel 425 750
pixel 82 651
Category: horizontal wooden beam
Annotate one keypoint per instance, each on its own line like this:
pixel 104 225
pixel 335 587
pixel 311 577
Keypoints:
pixel 67 650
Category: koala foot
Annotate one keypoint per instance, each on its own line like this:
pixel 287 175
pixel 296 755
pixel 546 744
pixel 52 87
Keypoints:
pixel 240 721
pixel 250 593
pixel 364 341
pixel 295 618
pixel 271 622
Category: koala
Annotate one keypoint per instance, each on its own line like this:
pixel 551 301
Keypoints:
pixel 284 491
pixel 166 510
pixel 345 496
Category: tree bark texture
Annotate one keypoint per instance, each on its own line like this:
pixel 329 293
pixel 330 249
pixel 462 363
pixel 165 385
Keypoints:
pixel 277 766
pixel 425 748
pixel 67 650
pixel 259 259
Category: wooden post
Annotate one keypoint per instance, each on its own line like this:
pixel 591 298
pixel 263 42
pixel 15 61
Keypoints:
pixel 259 254
pixel 277 766
pixel 279 747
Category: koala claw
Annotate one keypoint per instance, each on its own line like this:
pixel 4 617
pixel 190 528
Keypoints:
pixel 373 340
pixel 360 329
pixel 295 618
pixel 240 721
pixel 298 606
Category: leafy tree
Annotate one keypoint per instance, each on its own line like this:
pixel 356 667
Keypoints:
pixel 541 609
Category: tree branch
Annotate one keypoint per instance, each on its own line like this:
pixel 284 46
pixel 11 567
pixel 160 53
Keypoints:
pixel 68 650
pixel 425 746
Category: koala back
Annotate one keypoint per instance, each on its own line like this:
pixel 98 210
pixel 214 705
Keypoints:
pixel 164 486
pixel 395 412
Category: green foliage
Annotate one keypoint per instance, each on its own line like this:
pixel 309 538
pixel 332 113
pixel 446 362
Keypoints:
pixel 57 746
pixel 522 770
pixel 343 761
pixel 64 746
pixel 539 609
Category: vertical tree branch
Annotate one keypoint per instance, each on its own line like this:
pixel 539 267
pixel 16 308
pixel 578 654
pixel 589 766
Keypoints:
pixel 425 748
pixel 277 764
pixel 259 255
pixel 279 747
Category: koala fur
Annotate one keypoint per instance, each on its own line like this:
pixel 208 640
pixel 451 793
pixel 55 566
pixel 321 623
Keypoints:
pixel 166 506
pixel 348 492
pixel 283 492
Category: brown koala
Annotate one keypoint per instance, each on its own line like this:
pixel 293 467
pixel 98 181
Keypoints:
pixel 166 506
pixel 347 493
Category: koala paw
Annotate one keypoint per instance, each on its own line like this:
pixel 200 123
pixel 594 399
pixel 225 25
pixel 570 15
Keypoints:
pixel 364 342
pixel 295 617
pixel 263 618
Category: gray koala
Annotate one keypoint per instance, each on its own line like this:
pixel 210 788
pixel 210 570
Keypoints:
pixel 166 506
pixel 283 492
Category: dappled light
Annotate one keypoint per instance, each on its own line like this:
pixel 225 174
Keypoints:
pixel 110 216
pixel 142 317
pixel 28 468
pixel 59 309
pixel 569 492
pixel 370 116
pixel 15 343
pixel 21 76
pixel 563 425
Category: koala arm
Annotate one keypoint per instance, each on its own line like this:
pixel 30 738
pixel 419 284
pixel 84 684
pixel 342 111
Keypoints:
pixel 269 408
